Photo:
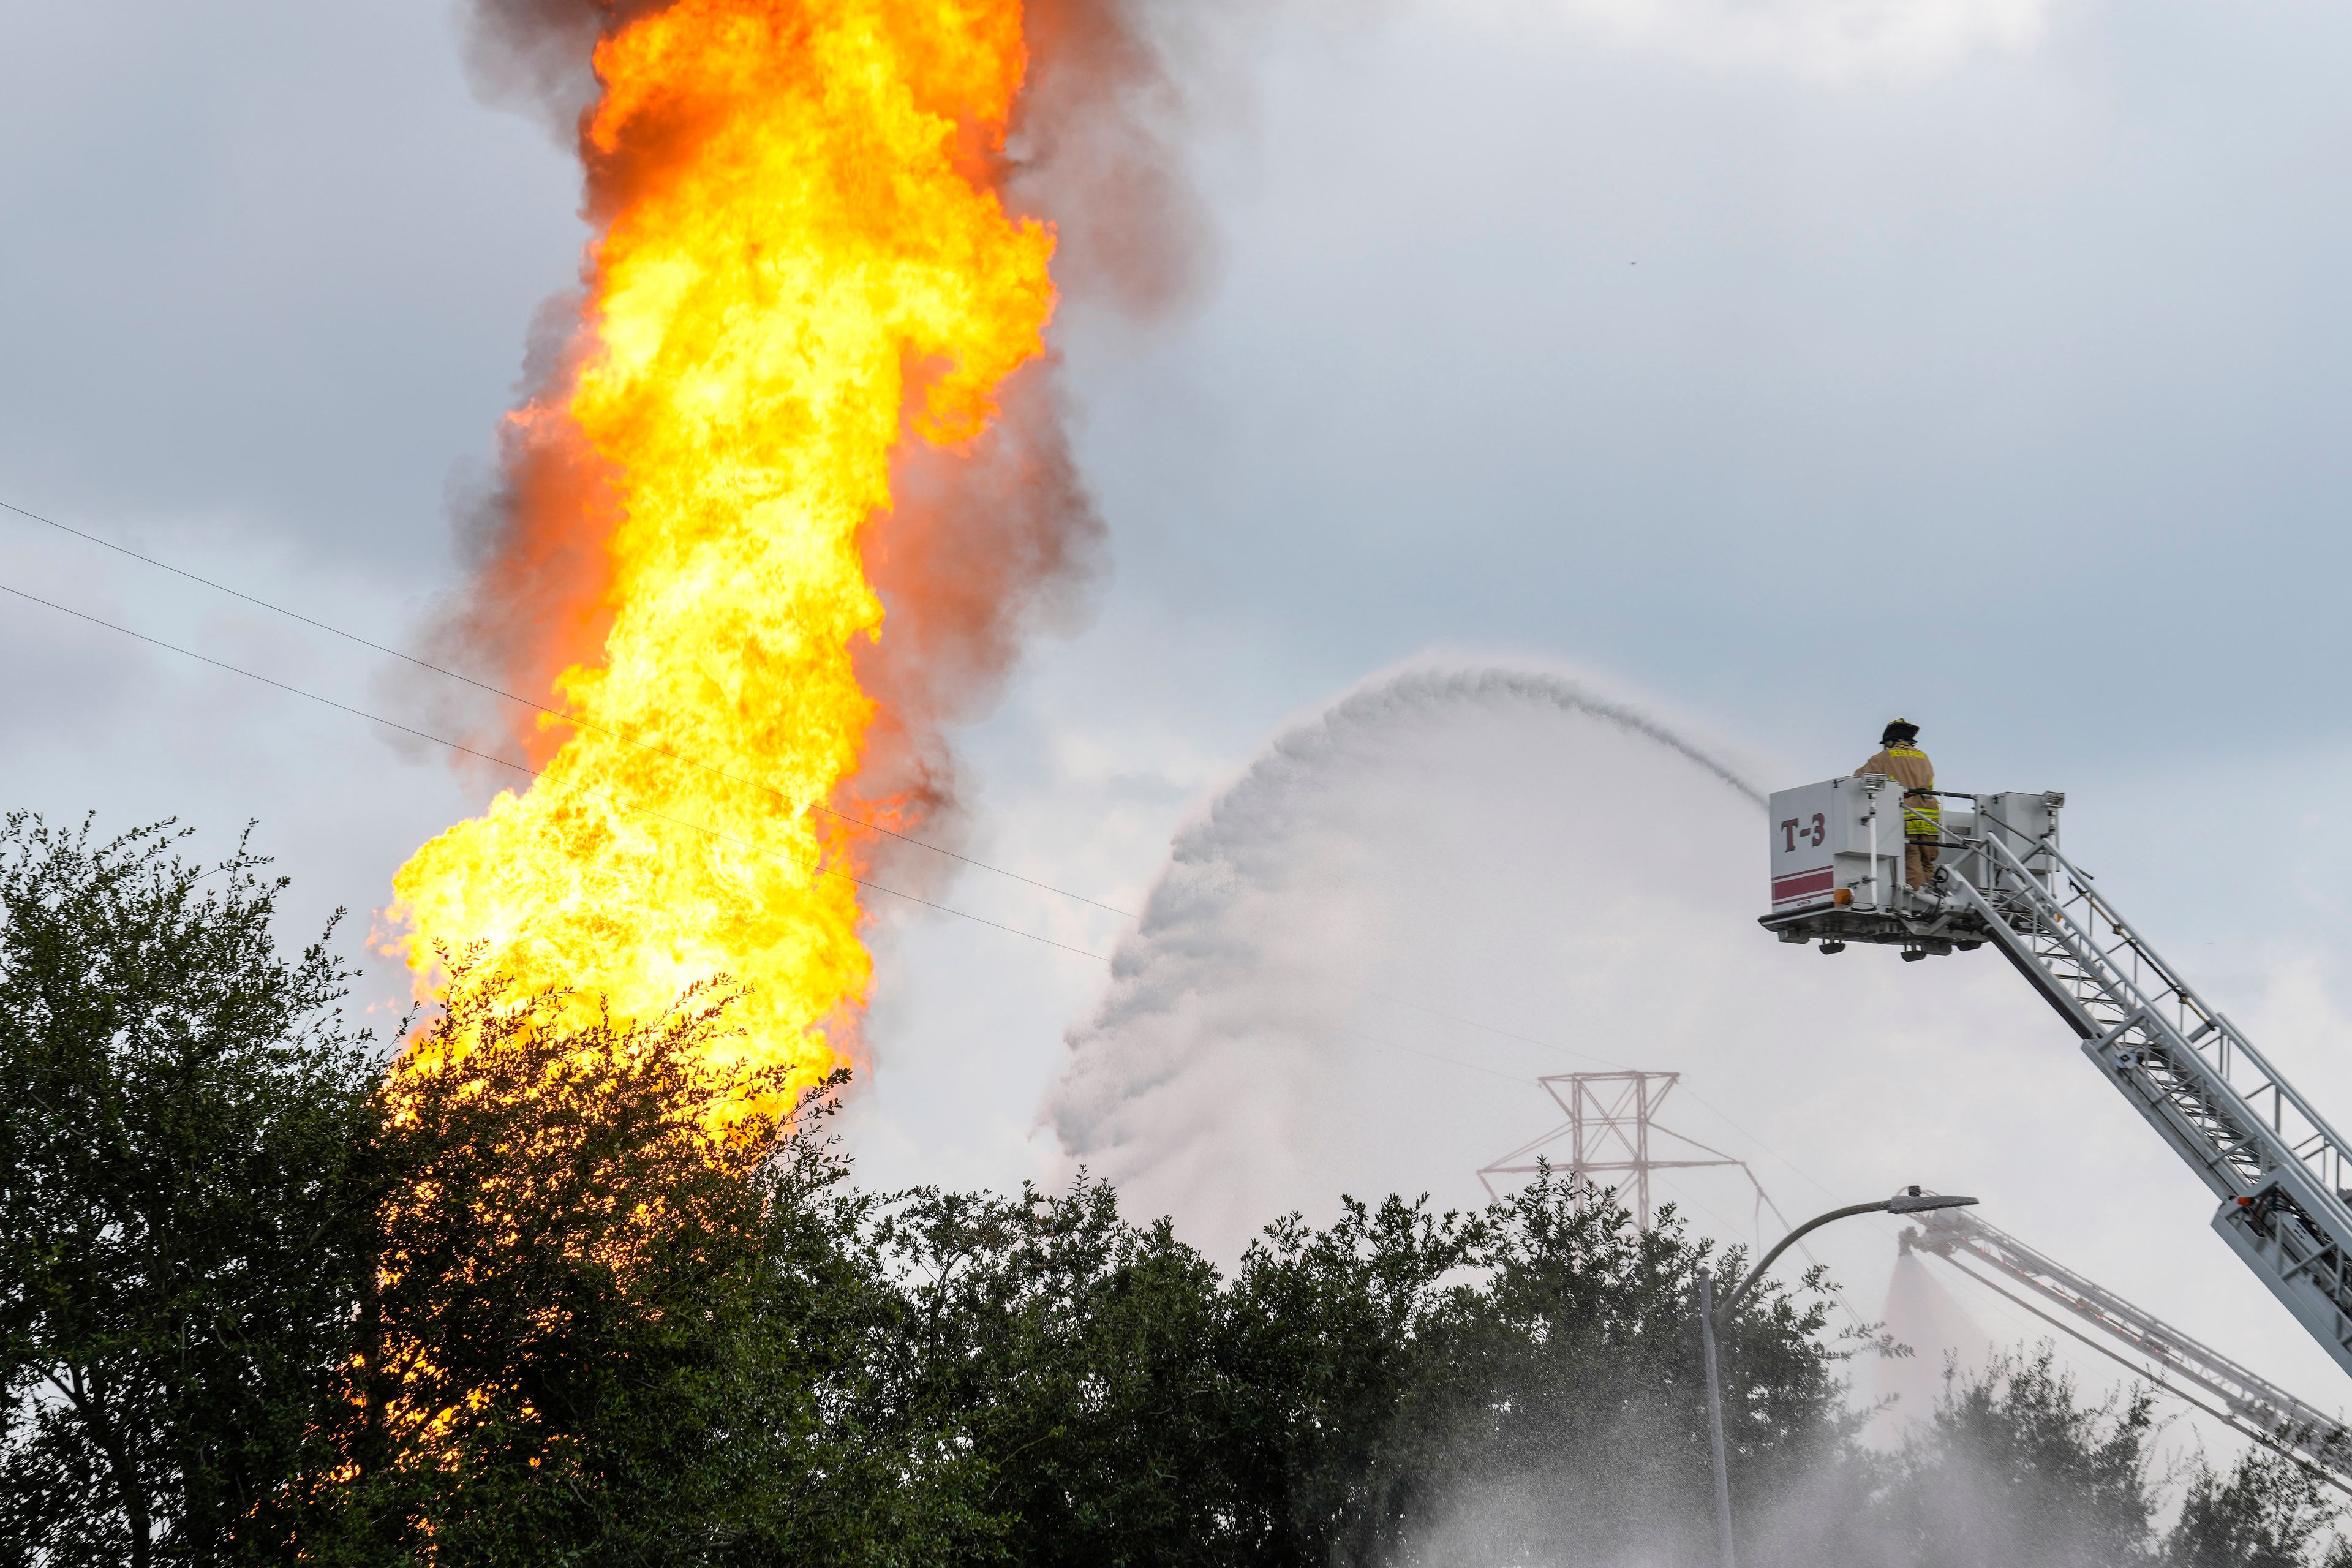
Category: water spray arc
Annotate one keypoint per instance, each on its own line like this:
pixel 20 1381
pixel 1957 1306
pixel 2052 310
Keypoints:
pixel 1200 935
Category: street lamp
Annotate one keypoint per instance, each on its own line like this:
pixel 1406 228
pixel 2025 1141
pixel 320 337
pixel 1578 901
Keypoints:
pixel 1910 1200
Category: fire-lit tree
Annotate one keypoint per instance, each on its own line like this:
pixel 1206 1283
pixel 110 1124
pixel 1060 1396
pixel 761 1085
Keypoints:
pixel 615 1316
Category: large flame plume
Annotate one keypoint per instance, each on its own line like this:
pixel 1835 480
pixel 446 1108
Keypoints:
pixel 805 261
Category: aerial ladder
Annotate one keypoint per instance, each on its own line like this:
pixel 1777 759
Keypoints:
pixel 2173 1361
pixel 2279 1170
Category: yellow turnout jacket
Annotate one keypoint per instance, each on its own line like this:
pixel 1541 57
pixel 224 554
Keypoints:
pixel 1923 817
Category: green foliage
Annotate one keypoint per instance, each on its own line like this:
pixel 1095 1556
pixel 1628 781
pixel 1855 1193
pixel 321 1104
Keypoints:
pixel 1349 1394
pixel 2265 1511
pixel 1082 1361
pixel 2016 1469
pixel 1441 1363
pixel 613 1322
pixel 180 1111
pixel 545 1296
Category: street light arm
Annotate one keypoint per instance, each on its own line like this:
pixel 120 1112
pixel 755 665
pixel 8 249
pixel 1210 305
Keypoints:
pixel 1739 1292
pixel 1909 1201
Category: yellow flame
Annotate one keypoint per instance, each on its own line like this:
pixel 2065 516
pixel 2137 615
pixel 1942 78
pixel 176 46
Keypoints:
pixel 804 240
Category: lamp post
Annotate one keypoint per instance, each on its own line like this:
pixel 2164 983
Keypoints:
pixel 1911 1200
pixel 1714 1420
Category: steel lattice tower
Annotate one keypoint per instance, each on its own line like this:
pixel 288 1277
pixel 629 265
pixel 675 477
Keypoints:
pixel 1613 1131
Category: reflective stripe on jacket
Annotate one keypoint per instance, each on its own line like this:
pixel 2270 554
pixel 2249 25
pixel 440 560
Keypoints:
pixel 1923 816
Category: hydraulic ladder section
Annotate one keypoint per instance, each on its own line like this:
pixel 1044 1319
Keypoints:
pixel 2279 1169
pixel 2175 1362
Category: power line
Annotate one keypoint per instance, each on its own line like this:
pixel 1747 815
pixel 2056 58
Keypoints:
pixel 1490 1028
pixel 530 772
pixel 1433 1056
pixel 523 768
pixel 566 717
pixel 734 778
pixel 823 871
pixel 1602 1061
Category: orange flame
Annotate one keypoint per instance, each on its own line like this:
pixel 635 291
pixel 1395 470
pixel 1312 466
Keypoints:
pixel 806 246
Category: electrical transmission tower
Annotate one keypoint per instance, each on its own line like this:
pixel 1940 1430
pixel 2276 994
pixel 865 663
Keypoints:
pixel 1612 1132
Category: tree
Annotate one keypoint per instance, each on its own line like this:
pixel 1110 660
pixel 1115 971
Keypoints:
pixel 615 1318
pixel 2016 1470
pixel 1083 1362
pixel 548 1292
pixel 1401 1386
pixel 179 1248
pixel 1523 1384
pixel 2265 1511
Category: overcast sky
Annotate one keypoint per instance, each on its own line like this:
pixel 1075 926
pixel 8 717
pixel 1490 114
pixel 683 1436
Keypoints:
pixel 1786 364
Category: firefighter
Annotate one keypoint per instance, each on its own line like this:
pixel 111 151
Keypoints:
pixel 1899 758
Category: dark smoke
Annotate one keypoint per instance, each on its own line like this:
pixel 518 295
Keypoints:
pixel 533 56
pixel 984 549
pixel 1097 148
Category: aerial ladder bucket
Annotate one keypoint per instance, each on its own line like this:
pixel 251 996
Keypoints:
pixel 2280 1171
